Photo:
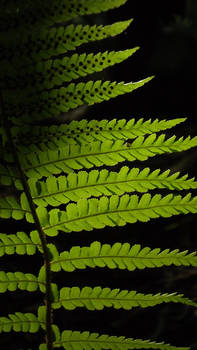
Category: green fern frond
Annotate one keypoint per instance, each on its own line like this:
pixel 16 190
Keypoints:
pixel 18 280
pixel 51 73
pixel 55 191
pixel 76 157
pixel 89 214
pixel 97 298
pixel 86 340
pixel 121 256
pixel 50 103
pixel 48 13
pixel 10 208
pixel 19 243
pixel 56 40
pixel 20 322
pixel 84 131
pixel 8 175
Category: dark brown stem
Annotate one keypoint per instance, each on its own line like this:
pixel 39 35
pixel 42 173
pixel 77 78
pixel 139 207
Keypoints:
pixel 49 335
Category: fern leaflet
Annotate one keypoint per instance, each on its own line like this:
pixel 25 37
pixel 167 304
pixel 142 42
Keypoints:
pixel 97 298
pixel 20 322
pixel 20 243
pixel 55 101
pixel 83 340
pixel 84 131
pixel 76 157
pixel 121 256
pixel 56 191
pixel 89 214
pixel 53 41
pixel 18 280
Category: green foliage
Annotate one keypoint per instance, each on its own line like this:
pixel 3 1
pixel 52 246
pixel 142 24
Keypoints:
pixel 50 177
pixel 13 280
pixel 20 322
pixel 92 213
pixel 97 298
pixel 61 190
pixel 84 340
pixel 20 244
pixel 121 256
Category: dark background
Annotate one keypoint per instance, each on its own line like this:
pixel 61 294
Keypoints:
pixel 166 31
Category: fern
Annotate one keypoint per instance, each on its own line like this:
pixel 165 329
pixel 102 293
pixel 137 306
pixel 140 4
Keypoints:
pixel 113 211
pixel 97 298
pixel 20 244
pixel 122 256
pixel 69 339
pixel 83 131
pixel 50 176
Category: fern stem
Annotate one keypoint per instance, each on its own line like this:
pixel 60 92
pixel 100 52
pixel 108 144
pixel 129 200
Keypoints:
pixel 49 334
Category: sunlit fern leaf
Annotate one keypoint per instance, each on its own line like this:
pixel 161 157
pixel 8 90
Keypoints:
pixel 84 131
pixel 51 73
pixel 97 298
pixel 20 322
pixel 48 12
pixel 86 340
pixel 77 157
pixel 19 243
pixel 11 281
pixel 55 191
pixel 118 256
pixel 89 214
pixel 10 208
pixel 53 41
pixel 53 102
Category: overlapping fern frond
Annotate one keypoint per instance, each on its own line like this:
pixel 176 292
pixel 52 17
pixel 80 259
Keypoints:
pixel 47 166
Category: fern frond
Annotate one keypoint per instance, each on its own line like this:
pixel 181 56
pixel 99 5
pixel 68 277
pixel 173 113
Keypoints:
pixel 10 208
pixel 89 214
pixel 84 131
pixel 19 243
pixel 49 103
pixel 8 175
pixel 54 41
pixel 49 74
pixel 86 340
pixel 97 298
pixel 18 280
pixel 121 256
pixel 48 13
pixel 76 157
pixel 20 322
pixel 63 189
